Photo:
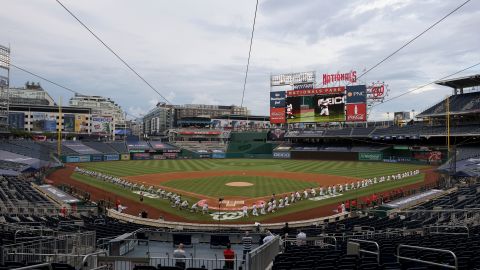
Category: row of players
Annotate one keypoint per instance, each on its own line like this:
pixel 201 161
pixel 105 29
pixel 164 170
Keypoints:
pixel 271 206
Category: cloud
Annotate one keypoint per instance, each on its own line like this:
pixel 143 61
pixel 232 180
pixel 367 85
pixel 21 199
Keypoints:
pixel 198 54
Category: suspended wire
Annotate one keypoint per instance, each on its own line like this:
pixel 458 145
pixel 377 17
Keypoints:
pixel 41 77
pixel 427 84
pixel 249 54
pixel 113 52
pixel 413 39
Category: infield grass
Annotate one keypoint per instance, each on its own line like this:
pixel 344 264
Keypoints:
pixel 216 186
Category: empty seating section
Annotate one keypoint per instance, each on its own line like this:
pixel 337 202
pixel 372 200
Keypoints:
pixel 202 146
pixel 11 166
pixel 409 130
pixel 15 192
pixel 53 148
pixel 26 148
pixel 79 147
pixel 467 250
pixel 338 132
pixel 363 132
pixel 138 145
pixel 333 148
pixel 458 103
pixel 119 147
pixel 467 152
pixel 101 147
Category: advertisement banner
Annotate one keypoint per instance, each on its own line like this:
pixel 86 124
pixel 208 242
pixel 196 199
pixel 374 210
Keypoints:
pixel 316 91
pixel 81 124
pixel 356 112
pixel 38 121
pixel 277 99
pixel 69 122
pixel 218 155
pixel 101 124
pixel 431 157
pixel 372 156
pixel 111 157
pixel 125 157
pixel 357 94
pixel 277 115
pixel 281 155
pixel 170 155
pixel 317 108
pixel 16 120
pixel 97 158
pixel 292 78
pixel 77 158
pixel 141 156
pixel 50 123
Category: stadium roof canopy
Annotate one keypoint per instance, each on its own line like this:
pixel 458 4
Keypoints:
pixel 462 82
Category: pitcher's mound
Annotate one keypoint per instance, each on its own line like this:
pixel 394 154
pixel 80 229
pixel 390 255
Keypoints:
pixel 239 184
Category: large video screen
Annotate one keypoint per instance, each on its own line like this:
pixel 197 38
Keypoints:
pixel 315 108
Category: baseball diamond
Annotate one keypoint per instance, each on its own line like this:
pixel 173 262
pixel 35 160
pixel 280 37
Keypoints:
pixel 205 181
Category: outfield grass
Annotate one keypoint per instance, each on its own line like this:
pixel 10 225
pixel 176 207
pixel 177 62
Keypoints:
pixel 262 186
pixel 341 168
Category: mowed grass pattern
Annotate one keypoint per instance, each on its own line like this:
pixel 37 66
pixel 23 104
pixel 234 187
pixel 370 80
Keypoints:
pixel 342 168
pixel 215 186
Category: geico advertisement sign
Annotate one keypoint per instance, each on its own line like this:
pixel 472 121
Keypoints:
pixel 332 100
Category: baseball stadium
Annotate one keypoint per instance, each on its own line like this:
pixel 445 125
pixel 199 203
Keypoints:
pixel 318 183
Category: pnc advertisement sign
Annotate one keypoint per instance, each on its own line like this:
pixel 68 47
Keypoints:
pixel 356 112
pixel 357 94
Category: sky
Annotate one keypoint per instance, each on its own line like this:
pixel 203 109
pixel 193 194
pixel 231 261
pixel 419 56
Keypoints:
pixel 195 52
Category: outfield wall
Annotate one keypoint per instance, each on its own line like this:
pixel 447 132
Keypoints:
pixel 215 226
pixel 348 156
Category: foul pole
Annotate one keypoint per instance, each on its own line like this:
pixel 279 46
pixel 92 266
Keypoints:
pixel 59 130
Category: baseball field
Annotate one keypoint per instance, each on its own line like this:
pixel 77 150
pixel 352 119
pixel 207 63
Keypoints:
pixel 239 182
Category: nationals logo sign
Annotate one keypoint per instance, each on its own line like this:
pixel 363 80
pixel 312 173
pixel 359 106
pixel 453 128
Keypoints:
pixel 356 112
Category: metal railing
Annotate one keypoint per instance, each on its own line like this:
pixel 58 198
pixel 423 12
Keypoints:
pixel 125 263
pixel 261 257
pixel 376 253
pixel 447 229
pixel 319 241
pixel 35 266
pixel 59 248
pixel 445 251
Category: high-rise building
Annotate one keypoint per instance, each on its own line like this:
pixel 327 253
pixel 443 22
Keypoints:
pixel 210 111
pixel 159 119
pixel 30 94
pixel 101 107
